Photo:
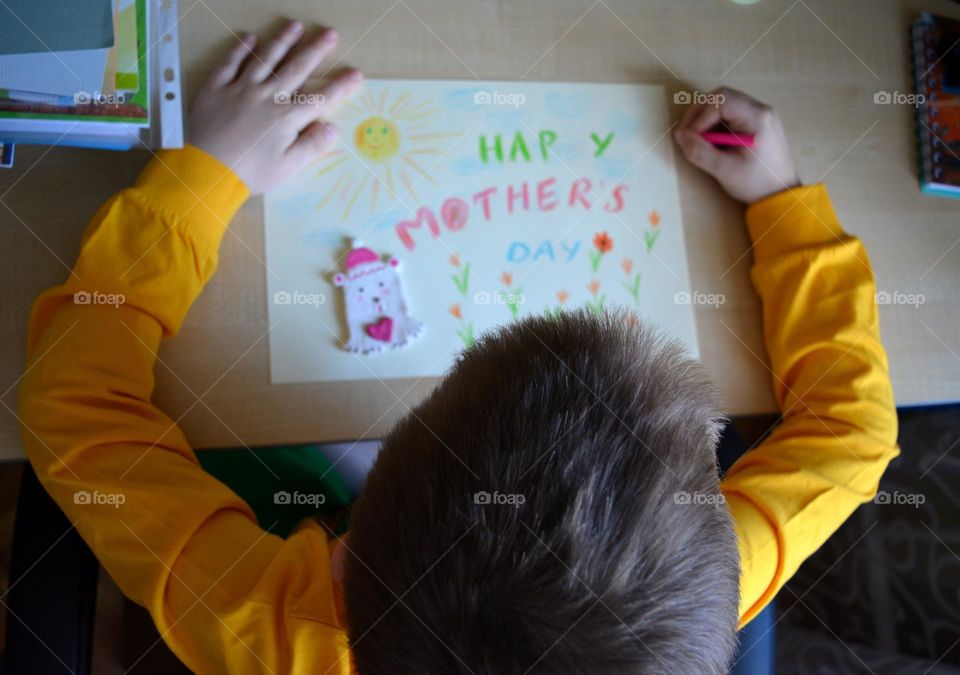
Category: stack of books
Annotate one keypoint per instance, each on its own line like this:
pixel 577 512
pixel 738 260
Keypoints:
pixel 89 73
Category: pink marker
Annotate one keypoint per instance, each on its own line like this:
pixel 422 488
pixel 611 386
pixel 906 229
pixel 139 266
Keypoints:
pixel 723 138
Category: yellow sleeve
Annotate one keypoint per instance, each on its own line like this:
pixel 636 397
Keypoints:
pixel 830 375
pixel 227 596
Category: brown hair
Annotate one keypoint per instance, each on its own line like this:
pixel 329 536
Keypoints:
pixel 552 507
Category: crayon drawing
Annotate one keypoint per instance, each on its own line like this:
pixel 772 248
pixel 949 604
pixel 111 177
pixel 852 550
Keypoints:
pixel 481 203
pixel 387 140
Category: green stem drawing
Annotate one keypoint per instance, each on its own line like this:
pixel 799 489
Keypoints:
pixel 633 289
pixel 595 258
pixel 650 238
pixel 466 334
pixel 513 299
pixel 553 312
pixel 595 305
pixel 462 280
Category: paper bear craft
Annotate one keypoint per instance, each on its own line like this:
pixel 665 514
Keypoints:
pixel 375 308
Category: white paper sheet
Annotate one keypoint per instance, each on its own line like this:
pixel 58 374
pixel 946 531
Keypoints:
pixel 577 206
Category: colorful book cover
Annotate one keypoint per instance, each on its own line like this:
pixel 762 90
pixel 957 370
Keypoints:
pixel 128 65
pixel 937 80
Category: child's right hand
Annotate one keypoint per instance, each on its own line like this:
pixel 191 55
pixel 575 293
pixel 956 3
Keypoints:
pixel 747 174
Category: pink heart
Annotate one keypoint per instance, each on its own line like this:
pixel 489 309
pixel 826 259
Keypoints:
pixel 381 330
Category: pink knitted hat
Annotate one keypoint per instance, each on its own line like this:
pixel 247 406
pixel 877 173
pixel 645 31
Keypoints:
pixel 359 256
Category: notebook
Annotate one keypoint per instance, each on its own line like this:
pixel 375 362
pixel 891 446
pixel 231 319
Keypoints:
pixel 102 85
pixel 59 74
pixel 936 63
pixel 132 101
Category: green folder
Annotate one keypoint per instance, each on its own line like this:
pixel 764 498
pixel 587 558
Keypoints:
pixel 281 484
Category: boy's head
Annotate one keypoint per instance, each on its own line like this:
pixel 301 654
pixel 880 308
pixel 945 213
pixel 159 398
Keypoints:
pixel 550 508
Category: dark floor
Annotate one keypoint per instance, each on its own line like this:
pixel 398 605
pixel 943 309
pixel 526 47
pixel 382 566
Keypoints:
pixel 882 596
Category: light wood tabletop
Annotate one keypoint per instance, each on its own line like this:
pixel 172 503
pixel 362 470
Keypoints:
pixel 819 62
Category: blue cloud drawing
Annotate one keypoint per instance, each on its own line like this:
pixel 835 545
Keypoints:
pixel 297 206
pixel 468 166
pixel 622 123
pixel 325 236
pixel 508 119
pixel 462 99
pixel 567 106
pixel 569 150
pixel 613 167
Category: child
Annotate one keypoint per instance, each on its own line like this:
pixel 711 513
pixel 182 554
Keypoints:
pixel 552 507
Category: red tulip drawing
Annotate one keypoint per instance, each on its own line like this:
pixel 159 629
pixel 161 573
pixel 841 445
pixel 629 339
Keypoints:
pixel 633 283
pixel 603 244
pixel 650 236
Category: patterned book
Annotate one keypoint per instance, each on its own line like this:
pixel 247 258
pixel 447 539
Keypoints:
pixel 936 64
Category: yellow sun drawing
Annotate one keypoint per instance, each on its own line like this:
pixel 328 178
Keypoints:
pixel 391 148
pixel 377 139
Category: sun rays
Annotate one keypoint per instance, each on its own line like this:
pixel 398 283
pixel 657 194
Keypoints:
pixel 386 150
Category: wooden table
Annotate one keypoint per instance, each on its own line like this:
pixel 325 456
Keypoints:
pixel 818 61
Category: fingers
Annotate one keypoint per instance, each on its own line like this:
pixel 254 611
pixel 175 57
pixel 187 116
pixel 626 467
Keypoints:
pixel 318 135
pixel 314 139
pixel 306 59
pixel 341 87
pixel 705 118
pixel 740 111
pixel 701 153
pixel 330 95
pixel 690 113
pixel 734 108
pixel 266 59
pixel 226 72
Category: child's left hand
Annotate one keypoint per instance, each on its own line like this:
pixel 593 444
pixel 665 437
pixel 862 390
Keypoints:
pixel 251 115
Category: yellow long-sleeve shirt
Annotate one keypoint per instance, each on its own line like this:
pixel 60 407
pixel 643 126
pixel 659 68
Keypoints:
pixel 230 598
